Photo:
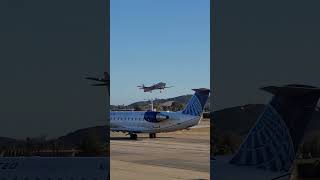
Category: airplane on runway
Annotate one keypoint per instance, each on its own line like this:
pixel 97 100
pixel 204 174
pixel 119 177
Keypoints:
pixel 270 148
pixel 160 86
pixel 153 122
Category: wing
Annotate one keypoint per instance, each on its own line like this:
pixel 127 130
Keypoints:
pixel 96 79
pixel 144 87
pixel 169 87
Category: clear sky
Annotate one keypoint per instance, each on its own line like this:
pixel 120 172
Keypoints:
pixel 158 40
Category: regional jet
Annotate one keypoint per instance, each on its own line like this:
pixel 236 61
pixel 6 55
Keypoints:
pixel 153 122
pixel 270 148
pixel 160 86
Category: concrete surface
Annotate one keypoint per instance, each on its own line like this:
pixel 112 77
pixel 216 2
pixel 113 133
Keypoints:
pixel 176 155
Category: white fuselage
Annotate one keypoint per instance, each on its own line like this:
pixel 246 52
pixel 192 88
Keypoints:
pixel 133 121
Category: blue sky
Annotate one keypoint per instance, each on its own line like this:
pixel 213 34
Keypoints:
pixel 158 40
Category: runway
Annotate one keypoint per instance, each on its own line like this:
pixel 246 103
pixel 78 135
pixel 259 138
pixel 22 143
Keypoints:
pixel 177 155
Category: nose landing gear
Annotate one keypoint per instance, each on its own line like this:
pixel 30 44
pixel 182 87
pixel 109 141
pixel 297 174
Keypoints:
pixel 133 136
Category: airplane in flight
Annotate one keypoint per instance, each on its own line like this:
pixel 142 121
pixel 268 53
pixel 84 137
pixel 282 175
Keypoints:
pixel 160 86
pixel 152 122
pixel 104 81
pixel 270 148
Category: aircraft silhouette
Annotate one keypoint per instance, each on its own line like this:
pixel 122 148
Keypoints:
pixel 160 86
pixel 105 81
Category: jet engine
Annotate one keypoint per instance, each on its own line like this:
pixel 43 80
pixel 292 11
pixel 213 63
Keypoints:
pixel 155 117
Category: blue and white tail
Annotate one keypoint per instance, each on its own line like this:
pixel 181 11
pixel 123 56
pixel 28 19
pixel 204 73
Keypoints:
pixel 273 141
pixel 197 102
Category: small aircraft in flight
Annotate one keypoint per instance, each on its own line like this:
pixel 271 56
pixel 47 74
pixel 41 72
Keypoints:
pixel 105 81
pixel 160 86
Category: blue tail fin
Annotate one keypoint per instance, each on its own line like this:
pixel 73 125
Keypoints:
pixel 273 141
pixel 197 102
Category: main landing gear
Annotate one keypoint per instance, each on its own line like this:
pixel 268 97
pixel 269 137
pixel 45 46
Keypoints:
pixel 152 135
pixel 134 136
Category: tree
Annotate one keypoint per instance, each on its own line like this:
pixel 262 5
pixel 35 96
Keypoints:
pixel 90 146
pixel 137 108
pixel 176 106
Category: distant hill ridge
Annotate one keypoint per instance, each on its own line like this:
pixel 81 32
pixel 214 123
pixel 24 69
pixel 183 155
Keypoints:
pixel 180 99
pixel 75 138
pixel 240 119
pixel 4 141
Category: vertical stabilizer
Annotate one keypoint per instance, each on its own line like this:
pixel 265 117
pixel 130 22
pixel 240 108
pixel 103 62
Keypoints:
pixel 197 102
pixel 273 141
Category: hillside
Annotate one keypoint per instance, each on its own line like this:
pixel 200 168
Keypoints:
pixel 181 99
pixel 4 141
pixel 145 104
pixel 241 118
pixel 237 119
pixel 74 139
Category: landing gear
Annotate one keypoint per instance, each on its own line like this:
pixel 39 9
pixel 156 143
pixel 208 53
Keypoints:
pixel 152 135
pixel 134 136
